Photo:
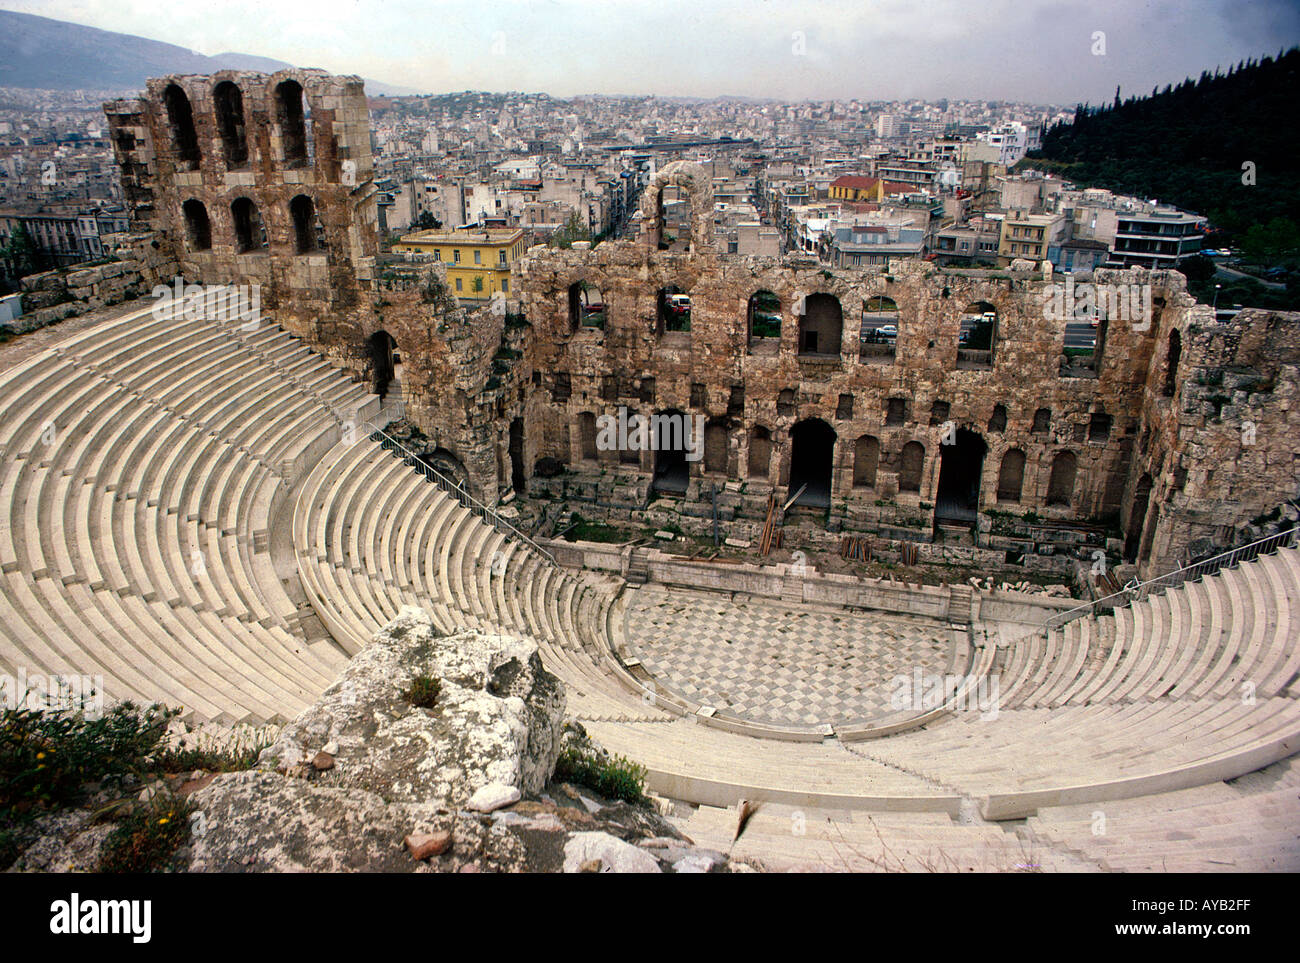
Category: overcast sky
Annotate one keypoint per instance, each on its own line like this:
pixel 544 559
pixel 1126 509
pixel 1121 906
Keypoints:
pixel 1027 50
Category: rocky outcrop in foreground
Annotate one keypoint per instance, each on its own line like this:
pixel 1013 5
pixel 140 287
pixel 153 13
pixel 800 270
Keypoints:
pixel 366 781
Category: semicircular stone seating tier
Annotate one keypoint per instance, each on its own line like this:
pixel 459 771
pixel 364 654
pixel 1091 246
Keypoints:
pixel 140 463
pixel 143 463
pixel 372 535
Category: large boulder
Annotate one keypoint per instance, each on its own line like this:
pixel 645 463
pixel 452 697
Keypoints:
pixel 264 822
pixel 496 721
pixel 366 781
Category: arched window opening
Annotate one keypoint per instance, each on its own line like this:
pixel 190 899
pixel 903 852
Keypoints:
pixel 290 117
pixel 673 310
pixel 764 315
pixel 229 104
pixel 821 326
pixel 998 422
pixel 879 335
pixel 675 216
pixel 586 306
pixel 180 123
pixel 977 337
pixel 308 233
pixel 198 229
pixel 250 234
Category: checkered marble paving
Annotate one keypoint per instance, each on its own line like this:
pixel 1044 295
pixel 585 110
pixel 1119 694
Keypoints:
pixel 779 662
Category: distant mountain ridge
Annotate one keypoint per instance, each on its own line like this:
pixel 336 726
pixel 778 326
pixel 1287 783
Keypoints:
pixel 37 52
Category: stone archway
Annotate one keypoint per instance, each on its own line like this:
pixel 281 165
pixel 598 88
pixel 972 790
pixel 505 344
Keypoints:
pixel 812 461
pixel 672 473
pixel 386 363
pixel 961 468
pixel 694 187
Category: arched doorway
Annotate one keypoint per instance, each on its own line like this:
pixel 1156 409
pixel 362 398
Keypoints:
pixel 812 458
pixel 961 465
pixel 387 361
pixel 672 473
pixel 517 480
pixel 1137 517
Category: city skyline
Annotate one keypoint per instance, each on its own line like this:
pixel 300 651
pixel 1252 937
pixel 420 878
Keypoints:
pixel 1041 51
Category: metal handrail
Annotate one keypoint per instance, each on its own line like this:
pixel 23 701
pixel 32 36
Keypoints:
pixel 452 487
pixel 1138 591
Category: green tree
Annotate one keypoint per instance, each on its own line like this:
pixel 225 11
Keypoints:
pixel 1271 243
pixel 573 230
pixel 20 257
pixel 1197 268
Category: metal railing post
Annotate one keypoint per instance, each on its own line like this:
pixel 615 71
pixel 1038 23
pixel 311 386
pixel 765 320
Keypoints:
pixel 462 495
pixel 1178 576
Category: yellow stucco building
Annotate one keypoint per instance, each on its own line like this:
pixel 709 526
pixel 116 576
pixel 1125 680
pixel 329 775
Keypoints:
pixel 478 262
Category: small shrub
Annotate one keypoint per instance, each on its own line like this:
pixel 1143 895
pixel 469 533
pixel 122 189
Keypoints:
pixel 146 839
pixel 46 757
pixel 213 757
pixel 614 777
pixel 423 692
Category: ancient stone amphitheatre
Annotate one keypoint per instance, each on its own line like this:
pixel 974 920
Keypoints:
pixel 219 513
pixel 199 512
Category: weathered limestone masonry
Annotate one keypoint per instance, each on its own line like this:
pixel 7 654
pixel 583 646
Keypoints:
pixel 1106 424
pixel 267 179
pixel 1220 446
pixel 1043 441
pixel 132 265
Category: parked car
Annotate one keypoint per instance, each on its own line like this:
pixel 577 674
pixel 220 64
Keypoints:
pixel 679 303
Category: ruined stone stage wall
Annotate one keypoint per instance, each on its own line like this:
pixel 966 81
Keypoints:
pixel 470 374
